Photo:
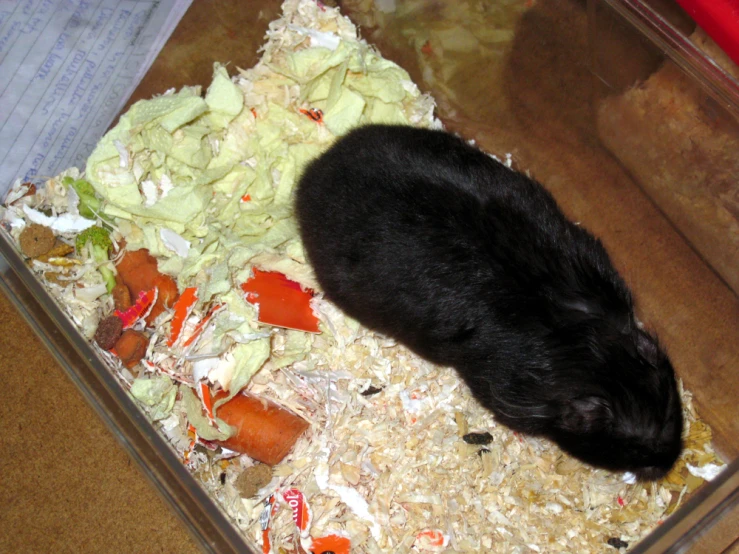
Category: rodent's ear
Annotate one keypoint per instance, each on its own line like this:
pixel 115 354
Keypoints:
pixel 586 414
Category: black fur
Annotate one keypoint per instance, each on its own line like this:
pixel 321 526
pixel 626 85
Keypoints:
pixel 422 237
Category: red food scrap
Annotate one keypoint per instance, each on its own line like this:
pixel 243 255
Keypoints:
pixel 140 308
pixel 203 322
pixel 299 506
pixel 315 114
pixel 182 308
pixel 282 302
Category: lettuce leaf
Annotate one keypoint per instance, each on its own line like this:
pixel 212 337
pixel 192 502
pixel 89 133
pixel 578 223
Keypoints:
pixel 158 392
pixel 198 419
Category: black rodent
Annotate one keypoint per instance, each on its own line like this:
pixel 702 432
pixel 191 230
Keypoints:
pixel 426 239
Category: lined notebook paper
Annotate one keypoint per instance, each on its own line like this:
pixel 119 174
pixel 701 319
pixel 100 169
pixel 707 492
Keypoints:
pixel 68 67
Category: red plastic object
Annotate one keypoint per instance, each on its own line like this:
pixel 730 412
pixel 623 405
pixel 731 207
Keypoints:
pixel 299 506
pixel 718 18
pixel 282 302
pixel 331 543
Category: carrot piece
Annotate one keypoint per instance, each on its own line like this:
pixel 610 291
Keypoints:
pixel 121 297
pixel 167 295
pixel 131 347
pixel 182 308
pixel 282 302
pixel 167 286
pixel 138 270
pixel 131 261
pixel 265 431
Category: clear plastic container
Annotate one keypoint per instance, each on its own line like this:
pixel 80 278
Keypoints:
pixel 675 129
pixel 658 35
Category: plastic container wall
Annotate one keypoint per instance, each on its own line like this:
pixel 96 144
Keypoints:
pixel 676 128
pixel 686 172
pixel 670 115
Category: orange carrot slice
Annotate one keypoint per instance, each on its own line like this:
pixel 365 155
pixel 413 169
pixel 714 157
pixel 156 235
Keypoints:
pixel 282 302
pixel 182 308
pixel 265 431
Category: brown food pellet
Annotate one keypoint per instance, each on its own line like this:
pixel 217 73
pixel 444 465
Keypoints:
pixel 252 479
pixel 108 332
pixel 36 240
pixel 121 297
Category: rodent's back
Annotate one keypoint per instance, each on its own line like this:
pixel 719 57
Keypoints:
pixel 416 226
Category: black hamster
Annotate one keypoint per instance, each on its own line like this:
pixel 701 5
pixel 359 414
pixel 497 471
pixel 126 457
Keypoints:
pixel 426 239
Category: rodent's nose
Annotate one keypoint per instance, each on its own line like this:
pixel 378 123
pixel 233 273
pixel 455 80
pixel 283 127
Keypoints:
pixel 650 473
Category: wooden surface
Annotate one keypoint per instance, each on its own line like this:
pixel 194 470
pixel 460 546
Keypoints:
pixel 66 484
